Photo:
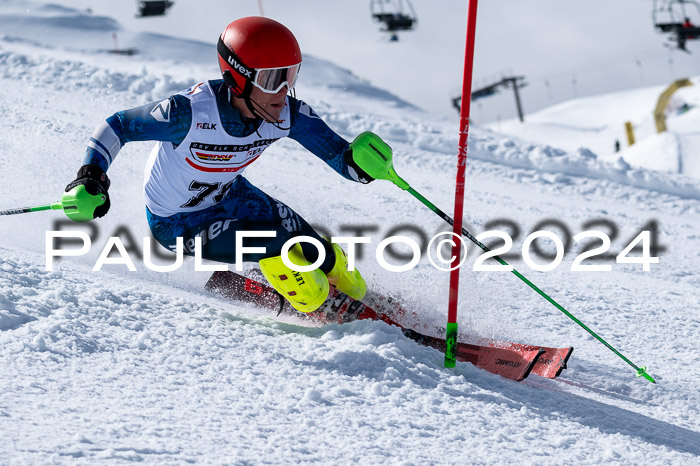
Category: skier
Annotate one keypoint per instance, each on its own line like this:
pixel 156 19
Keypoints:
pixel 687 24
pixel 207 135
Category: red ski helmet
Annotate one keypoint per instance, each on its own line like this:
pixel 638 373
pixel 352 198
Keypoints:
pixel 258 51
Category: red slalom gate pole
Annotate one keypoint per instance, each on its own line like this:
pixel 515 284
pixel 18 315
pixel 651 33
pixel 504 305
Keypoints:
pixel 451 328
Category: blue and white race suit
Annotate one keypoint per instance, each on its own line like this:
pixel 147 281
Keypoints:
pixel 193 182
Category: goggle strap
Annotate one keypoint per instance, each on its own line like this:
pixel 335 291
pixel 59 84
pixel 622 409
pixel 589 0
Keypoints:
pixel 234 60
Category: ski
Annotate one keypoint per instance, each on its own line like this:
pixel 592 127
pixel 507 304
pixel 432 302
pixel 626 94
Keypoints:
pixel 508 360
pixel 550 363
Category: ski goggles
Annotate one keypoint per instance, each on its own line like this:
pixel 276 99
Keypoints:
pixel 272 80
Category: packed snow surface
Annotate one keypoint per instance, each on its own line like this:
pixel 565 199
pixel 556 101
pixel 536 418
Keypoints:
pixel 113 367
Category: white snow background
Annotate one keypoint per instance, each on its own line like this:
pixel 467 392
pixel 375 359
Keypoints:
pixel 113 367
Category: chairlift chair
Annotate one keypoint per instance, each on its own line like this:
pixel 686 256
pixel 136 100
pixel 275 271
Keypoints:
pixel 394 16
pixel 395 21
pixel 152 7
pixel 676 15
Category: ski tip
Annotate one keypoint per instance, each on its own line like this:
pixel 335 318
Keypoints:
pixel 565 360
pixel 642 372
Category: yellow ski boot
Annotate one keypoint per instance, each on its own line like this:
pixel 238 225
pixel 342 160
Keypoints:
pixel 305 291
pixel 350 283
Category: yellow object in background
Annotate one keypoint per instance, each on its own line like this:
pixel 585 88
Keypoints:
pixel 629 129
pixel 664 99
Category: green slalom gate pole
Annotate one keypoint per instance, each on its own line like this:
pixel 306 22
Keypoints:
pixel 24 210
pixel 374 156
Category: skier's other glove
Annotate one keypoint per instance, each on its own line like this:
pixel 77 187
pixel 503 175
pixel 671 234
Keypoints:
pixel 86 197
pixel 359 144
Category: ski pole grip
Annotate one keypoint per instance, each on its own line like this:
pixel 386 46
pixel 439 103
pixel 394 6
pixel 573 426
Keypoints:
pixel 374 157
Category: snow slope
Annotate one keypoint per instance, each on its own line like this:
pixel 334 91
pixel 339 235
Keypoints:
pixel 112 367
pixel 594 123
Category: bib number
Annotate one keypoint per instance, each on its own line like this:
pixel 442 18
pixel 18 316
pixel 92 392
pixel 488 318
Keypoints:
pixel 205 190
